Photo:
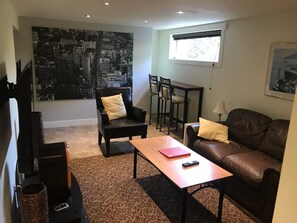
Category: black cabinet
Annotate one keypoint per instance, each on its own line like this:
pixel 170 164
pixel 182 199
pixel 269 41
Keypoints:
pixel 75 213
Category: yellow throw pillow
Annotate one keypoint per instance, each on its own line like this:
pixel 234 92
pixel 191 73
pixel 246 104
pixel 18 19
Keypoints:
pixel 114 106
pixel 213 131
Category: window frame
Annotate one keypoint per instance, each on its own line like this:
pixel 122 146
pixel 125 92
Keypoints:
pixel 203 29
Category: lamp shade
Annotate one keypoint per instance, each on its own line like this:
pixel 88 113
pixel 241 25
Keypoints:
pixel 220 108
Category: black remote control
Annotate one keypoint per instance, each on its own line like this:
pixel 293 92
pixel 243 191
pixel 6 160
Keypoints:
pixel 191 163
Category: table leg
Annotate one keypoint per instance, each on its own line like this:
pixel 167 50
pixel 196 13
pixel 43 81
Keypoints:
pixel 135 163
pixel 200 104
pixel 184 205
pixel 221 199
pixel 185 120
pixel 186 112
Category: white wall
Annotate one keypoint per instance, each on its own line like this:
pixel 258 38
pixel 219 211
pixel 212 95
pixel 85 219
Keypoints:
pixel 9 131
pixel 285 207
pixel 76 112
pixel 241 79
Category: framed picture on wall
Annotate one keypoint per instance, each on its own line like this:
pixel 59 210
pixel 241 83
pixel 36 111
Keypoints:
pixel 71 63
pixel 282 71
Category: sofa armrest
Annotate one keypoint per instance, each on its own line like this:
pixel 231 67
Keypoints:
pixel 138 114
pixel 270 188
pixel 192 131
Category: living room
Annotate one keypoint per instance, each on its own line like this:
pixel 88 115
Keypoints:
pixel 240 82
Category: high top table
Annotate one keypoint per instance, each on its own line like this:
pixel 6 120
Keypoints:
pixel 187 88
pixel 183 178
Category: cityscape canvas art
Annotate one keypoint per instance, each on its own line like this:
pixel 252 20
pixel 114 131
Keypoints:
pixel 71 63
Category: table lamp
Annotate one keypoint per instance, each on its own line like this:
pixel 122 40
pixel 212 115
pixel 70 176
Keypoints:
pixel 220 109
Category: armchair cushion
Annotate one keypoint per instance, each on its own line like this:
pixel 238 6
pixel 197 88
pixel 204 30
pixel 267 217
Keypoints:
pixel 114 106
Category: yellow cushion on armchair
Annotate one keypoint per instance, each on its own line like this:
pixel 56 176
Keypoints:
pixel 114 106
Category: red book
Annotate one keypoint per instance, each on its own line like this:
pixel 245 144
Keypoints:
pixel 174 152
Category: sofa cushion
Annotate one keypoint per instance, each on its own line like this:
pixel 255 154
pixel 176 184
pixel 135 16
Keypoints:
pixel 275 139
pixel 213 131
pixel 215 151
pixel 250 166
pixel 247 127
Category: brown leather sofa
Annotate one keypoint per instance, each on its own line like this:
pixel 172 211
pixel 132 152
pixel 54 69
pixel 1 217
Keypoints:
pixel 254 156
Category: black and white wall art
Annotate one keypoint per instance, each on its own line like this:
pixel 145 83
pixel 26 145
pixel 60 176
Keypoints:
pixel 71 63
pixel 282 71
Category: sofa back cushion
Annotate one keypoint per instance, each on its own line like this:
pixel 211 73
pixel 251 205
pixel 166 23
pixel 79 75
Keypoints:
pixel 247 127
pixel 275 139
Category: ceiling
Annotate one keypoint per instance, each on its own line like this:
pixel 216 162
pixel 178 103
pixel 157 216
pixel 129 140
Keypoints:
pixel 160 14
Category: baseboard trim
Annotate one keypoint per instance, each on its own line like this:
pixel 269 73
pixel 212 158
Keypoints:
pixel 67 123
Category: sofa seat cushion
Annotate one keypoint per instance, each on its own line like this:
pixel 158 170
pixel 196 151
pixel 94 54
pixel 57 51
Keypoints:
pixel 250 166
pixel 215 151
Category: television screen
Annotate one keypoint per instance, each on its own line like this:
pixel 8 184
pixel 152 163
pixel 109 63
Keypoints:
pixel 5 126
pixel 23 94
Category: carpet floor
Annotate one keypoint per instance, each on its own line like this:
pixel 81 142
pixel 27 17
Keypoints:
pixel 110 194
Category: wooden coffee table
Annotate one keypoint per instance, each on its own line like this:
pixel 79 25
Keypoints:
pixel 184 178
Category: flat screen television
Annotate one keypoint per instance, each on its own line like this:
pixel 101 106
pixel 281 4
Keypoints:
pixel 23 95
pixel 5 126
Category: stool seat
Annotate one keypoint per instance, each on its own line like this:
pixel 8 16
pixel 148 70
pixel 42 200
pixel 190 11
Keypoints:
pixel 177 99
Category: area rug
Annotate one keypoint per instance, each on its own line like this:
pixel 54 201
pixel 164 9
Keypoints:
pixel 110 194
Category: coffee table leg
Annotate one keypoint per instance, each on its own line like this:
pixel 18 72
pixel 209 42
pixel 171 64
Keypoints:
pixel 135 163
pixel 221 199
pixel 184 205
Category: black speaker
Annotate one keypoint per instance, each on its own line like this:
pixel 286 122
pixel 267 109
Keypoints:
pixel 54 171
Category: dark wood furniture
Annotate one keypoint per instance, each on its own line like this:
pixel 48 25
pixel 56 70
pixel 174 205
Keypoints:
pixel 132 125
pixel 183 178
pixel 167 97
pixel 154 93
pixel 187 88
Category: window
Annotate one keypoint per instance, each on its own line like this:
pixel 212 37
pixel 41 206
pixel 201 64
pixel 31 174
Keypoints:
pixel 200 48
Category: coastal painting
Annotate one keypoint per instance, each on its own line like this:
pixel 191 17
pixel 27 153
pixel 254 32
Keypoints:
pixel 282 71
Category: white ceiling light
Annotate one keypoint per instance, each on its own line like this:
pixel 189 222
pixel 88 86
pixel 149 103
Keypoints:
pixel 106 3
pixel 180 12
pixel 88 16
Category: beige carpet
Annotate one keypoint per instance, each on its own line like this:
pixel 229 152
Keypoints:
pixel 83 140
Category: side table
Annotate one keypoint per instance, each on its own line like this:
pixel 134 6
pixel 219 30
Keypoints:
pixel 75 213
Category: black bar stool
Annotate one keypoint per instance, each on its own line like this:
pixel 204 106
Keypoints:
pixel 154 93
pixel 167 97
